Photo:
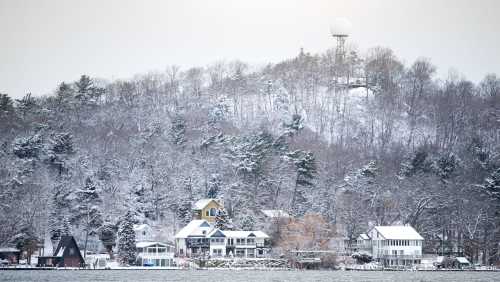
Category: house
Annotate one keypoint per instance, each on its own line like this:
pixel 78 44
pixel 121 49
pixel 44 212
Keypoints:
pixel 200 238
pixel 143 232
pixel 206 209
pixel 155 254
pixel 244 244
pixel 192 240
pixel 363 244
pixel 396 245
pixel 67 254
pixel 9 255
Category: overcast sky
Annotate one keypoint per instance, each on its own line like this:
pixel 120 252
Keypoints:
pixel 44 42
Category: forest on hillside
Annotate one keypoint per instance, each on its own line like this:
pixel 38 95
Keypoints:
pixel 407 148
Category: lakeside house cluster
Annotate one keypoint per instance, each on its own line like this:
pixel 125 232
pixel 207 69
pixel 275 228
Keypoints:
pixel 200 239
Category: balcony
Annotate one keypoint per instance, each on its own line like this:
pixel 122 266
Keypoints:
pixel 197 243
pixel 401 256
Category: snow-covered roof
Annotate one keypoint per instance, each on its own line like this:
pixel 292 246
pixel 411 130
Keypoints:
pixel 463 260
pixel 139 227
pixel 275 213
pixel 201 204
pixel 216 233
pixel 60 252
pixel 244 234
pixel 398 232
pixel 148 244
pixel 364 236
pixel 193 228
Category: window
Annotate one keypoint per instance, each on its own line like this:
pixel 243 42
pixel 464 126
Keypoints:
pixel 240 252
pixel 212 212
pixel 207 213
pixel 144 233
pixel 217 252
pixel 261 252
pixel 250 253
pixel 251 241
pixel 71 251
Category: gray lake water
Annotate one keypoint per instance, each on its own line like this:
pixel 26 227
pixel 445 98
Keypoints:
pixel 238 275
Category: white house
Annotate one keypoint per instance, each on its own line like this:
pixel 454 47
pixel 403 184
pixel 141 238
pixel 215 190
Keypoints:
pixel 143 232
pixel 192 240
pixel 200 238
pixel 155 254
pixel 396 245
pixel 150 252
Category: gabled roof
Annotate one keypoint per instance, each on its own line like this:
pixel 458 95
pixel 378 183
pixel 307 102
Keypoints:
pixel 216 233
pixel 363 236
pixel 398 232
pixel 201 204
pixel 245 234
pixel 67 241
pixel 149 244
pixel 275 213
pixel 193 228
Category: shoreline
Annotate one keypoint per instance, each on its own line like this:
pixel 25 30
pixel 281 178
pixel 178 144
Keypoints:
pixel 244 269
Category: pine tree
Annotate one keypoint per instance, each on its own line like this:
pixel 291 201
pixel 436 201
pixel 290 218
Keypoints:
pixel 247 223
pixel 58 221
pixel 126 241
pixel 295 126
pixel 87 211
pixel 178 130
pixel 61 147
pixel 214 186
pixel 107 234
pixel 28 147
pixel 305 169
pixel 222 220
pixel 492 186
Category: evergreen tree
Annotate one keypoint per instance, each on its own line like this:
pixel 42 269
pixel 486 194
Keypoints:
pixel 492 185
pixel 305 170
pixel 61 147
pixel 86 91
pixel 58 222
pixel 183 213
pixel 87 211
pixel 295 126
pixel 214 186
pixel 222 220
pixel 126 240
pixel 178 130
pixel 107 235
pixel 28 147
pixel 247 223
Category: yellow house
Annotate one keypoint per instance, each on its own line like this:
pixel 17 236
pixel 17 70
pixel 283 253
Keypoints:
pixel 206 209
